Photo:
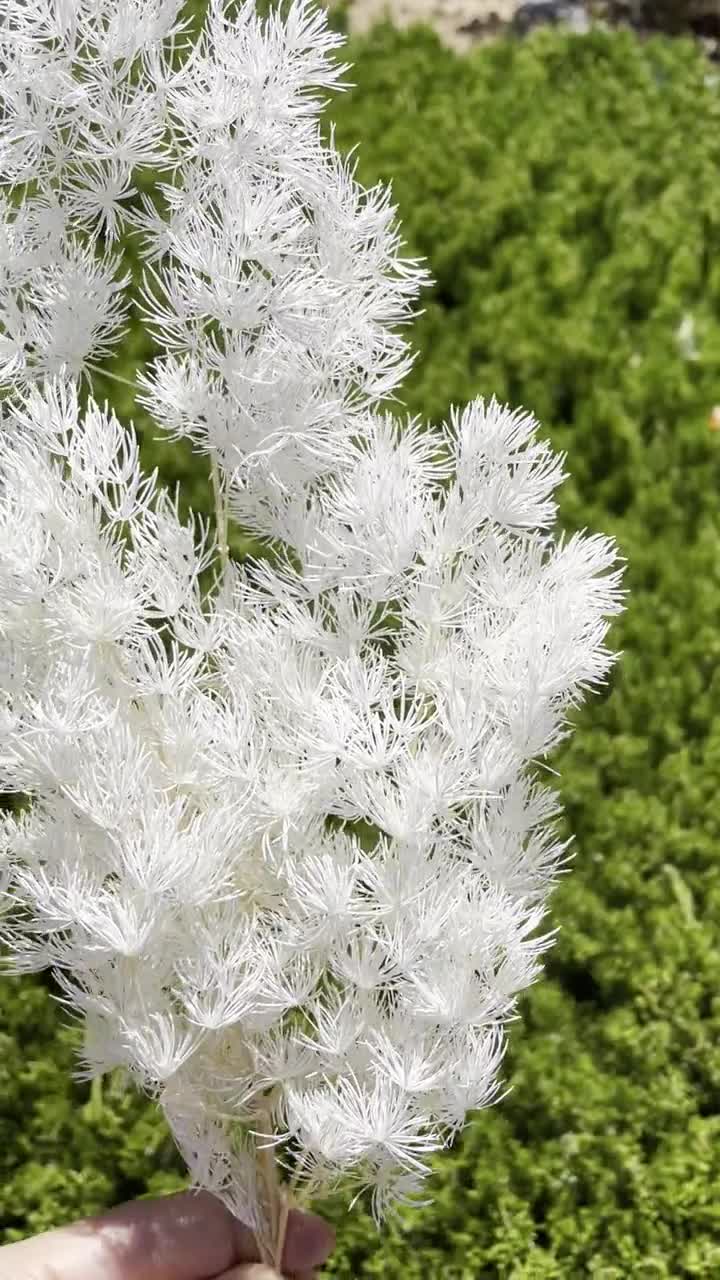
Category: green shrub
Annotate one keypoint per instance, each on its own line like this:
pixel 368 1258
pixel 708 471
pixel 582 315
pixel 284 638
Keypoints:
pixel 566 194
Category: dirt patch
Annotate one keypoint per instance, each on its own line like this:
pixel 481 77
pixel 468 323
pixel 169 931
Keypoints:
pixel 459 23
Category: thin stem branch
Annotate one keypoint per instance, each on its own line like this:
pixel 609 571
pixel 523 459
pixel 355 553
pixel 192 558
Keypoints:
pixel 116 377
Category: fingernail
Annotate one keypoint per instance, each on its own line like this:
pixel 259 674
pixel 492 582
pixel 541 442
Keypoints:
pixel 250 1271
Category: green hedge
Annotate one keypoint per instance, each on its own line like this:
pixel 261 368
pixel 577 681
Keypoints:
pixel 566 193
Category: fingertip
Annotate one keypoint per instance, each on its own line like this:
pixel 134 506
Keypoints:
pixel 309 1241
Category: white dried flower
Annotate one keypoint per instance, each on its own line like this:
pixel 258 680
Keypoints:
pixel 204 760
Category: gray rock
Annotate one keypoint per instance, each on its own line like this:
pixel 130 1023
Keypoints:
pixel 539 13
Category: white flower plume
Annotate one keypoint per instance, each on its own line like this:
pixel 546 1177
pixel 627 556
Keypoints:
pixel 285 854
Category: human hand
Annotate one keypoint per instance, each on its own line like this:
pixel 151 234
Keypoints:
pixel 189 1236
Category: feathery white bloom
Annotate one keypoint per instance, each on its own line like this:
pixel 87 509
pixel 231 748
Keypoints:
pixel 289 987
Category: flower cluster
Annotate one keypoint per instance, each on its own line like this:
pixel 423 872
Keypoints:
pixel 284 854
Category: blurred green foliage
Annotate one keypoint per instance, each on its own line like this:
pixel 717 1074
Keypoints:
pixel 565 192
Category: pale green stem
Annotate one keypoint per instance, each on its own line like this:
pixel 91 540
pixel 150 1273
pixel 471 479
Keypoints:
pixel 275 1203
pixel 221 516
